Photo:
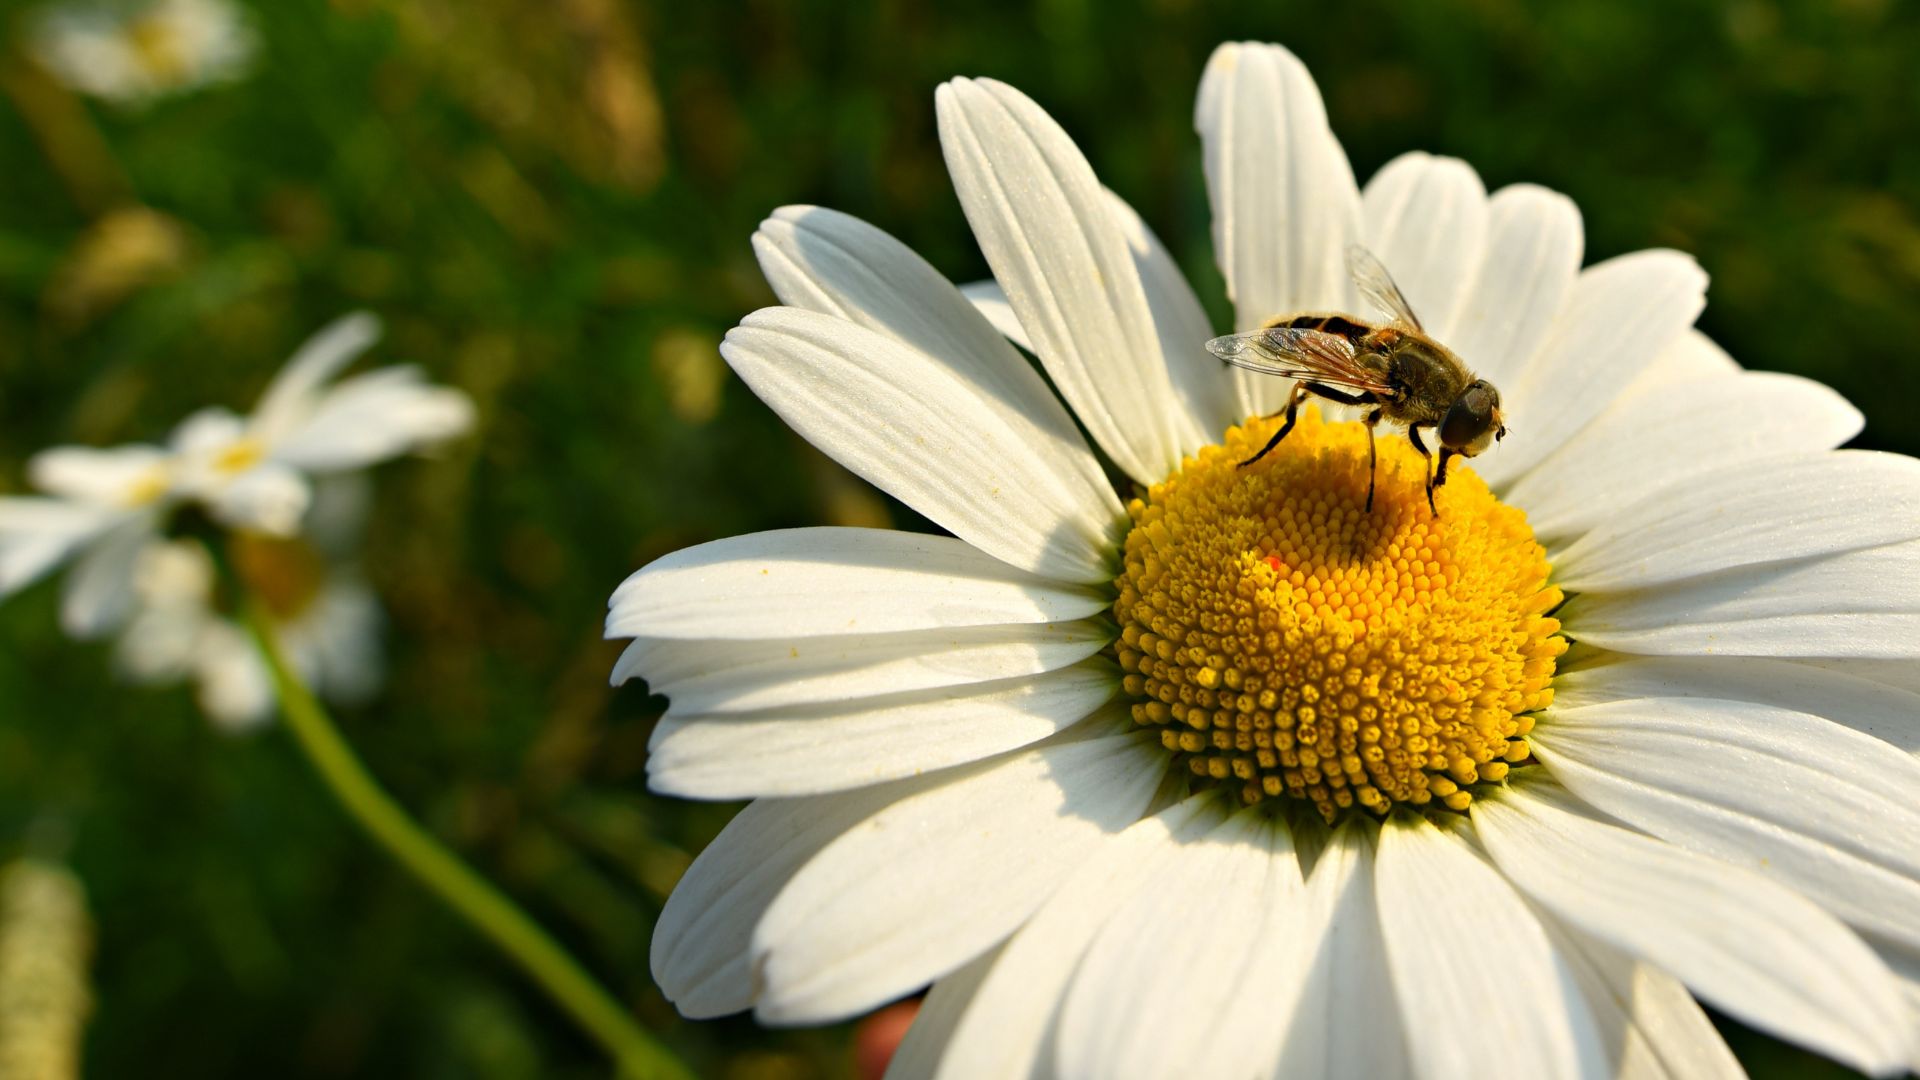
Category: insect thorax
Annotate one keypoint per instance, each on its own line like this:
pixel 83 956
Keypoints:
pixel 1430 377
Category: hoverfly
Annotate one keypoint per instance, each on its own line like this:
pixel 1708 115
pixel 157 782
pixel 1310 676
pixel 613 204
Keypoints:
pixel 1406 376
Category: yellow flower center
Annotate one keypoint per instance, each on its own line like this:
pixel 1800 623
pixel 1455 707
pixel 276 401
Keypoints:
pixel 239 456
pixel 159 47
pixel 148 488
pixel 1284 638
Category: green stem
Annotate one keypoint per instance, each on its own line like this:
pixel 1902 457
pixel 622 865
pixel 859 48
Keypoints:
pixel 635 1051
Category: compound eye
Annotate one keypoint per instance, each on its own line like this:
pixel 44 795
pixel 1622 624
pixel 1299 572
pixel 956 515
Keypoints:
pixel 1468 419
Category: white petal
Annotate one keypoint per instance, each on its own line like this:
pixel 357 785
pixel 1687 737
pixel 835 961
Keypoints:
pixel 118 477
pixel 205 448
pixel 342 633
pixel 1906 968
pixel 742 676
pixel 1662 438
pixel 803 582
pixel 1651 1027
pixel 1285 205
pixel 1818 504
pixel 99 591
pixel 1050 235
pixel 1426 218
pixel 914 428
pixel 1902 673
pixel 1857 604
pixel 161 643
pixel 1825 809
pixel 990 300
pixel 1620 316
pixel 1534 241
pixel 1440 906
pixel 918 1055
pixel 157 647
pixel 175 574
pixel 1693 355
pixel 1887 713
pixel 1815 983
pixel 836 264
pixel 236 690
pixel 206 431
pixel 38 534
pixel 1183 979
pixel 939 877
pixel 1005 1029
pixel 372 418
pixel 270 497
pixel 1182 325
pixel 836 745
pixel 1244 1039
pixel 1346 1023
pixel 323 356
pixel 701 945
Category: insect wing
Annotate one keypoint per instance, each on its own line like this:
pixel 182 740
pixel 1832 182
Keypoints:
pixel 1299 353
pixel 1371 276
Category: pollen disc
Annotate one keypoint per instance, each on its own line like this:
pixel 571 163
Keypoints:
pixel 287 575
pixel 1284 639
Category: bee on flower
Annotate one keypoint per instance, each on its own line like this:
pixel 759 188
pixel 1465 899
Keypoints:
pixel 282 481
pixel 133 54
pixel 1292 755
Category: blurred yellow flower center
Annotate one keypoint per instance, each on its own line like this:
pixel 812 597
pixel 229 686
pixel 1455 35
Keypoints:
pixel 159 47
pixel 286 575
pixel 237 458
pixel 1283 638
pixel 148 488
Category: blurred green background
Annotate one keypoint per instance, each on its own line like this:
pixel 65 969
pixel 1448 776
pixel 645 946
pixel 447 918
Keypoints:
pixel 549 202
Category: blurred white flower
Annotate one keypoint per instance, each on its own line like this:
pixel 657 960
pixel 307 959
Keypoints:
pixel 103 508
pixel 134 53
pixel 326 618
pixel 254 472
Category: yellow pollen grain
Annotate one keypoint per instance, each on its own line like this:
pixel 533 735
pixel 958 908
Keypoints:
pixel 1286 640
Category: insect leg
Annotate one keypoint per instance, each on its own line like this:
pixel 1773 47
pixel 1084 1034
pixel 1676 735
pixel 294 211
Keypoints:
pixel 1413 436
pixel 1322 390
pixel 1372 419
pixel 1293 411
pixel 1439 477
pixel 1340 396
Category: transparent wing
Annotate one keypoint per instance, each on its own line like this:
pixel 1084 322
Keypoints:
pixel 1299 353
pixel 1377 286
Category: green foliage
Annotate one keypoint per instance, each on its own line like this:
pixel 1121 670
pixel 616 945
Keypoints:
pixel 550 205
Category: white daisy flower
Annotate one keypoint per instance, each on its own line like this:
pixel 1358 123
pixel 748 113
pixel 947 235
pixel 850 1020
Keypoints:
pixel 254 472
pixel 324 615
pixel 1227 775
pixel 102 508
pixel 133 53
